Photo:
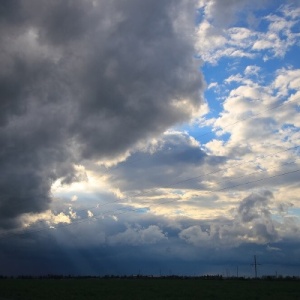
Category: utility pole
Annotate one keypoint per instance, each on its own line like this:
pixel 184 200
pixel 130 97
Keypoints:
pixel 237 271
pixel 255 264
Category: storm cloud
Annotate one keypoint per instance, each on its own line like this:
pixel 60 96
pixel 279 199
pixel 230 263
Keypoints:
pixel 87 80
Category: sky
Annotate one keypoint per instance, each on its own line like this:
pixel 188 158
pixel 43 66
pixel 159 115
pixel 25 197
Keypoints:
pixel 149 137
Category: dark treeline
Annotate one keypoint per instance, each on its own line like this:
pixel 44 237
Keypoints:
pixel 135 277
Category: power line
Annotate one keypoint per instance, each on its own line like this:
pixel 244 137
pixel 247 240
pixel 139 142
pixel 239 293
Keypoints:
pixel 210 173
pixel 132 210
pixel 171 201
pixel 147 202
pixel 247 175
pixel 245 183
pixel 186 180
pixel 257 180
pixel 190 179
pixel 202 175
pixel 233 186
pixel 257 171
pixel 236 165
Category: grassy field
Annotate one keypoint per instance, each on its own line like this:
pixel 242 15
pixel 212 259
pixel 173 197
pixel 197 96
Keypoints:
pixel 46 289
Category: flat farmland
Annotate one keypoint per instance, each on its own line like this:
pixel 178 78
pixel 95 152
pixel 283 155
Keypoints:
pixel 158 288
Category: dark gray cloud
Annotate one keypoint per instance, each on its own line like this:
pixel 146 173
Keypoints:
pixel 255 206
pixel 160 165
pixel 87 80
pixel 251 222
pixel 169 162
pixel 100 247
pixel 255 210
pixel 254 221
pixel 34 144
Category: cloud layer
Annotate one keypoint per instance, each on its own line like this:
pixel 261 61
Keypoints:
pixel 109 161
pixel 87 80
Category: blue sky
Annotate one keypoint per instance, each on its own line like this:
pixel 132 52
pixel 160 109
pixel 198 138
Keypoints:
pixel 142 142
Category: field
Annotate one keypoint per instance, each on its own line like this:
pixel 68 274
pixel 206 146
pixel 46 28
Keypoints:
pixel 75 289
